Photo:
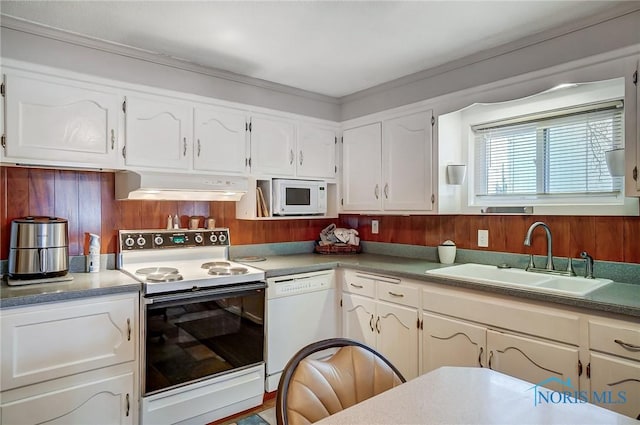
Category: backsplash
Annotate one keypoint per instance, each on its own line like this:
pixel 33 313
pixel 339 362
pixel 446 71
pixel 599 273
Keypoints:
pixel 87 200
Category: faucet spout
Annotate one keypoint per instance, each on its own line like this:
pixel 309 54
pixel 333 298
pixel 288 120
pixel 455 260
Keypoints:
pixel 527 241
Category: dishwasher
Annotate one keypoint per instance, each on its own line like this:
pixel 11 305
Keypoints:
pixel 300 309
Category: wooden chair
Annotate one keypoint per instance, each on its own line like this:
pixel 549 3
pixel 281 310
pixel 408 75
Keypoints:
pixel 310 390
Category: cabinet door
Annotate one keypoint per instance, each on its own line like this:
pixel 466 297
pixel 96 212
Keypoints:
pixel 535 361
pixel 615 384
pixel 407 163
pixel 361 152
pixel 449 342
pixel 54 121
pixel 220 141
pixel 108 401
pixel 397 328
pixel 316 152
pixel 358 318
pixel 158 133
pixel 272 146
pixel 42 343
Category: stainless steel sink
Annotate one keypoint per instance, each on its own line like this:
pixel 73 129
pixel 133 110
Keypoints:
pixel 482 273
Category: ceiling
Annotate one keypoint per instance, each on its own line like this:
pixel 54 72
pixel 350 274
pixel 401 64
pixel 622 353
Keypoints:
pixel 327 47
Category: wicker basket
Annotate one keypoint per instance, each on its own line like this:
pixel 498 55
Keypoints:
pixel 337 248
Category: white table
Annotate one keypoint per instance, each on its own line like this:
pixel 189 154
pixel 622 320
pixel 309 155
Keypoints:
pixel 460 395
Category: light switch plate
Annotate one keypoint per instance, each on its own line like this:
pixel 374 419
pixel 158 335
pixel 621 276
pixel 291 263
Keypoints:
pixel 483 238
pixel 374 227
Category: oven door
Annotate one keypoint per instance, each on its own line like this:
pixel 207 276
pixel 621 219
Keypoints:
pixel 197 335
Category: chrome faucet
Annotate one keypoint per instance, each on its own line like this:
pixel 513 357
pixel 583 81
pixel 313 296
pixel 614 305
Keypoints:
pixel 527 242
pixel 589 263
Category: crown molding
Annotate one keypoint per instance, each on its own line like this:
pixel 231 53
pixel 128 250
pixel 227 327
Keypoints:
pixel 17 24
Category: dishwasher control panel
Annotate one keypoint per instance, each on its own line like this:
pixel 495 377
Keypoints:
pixel 290 286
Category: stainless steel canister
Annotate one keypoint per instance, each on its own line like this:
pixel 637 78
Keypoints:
pixel 38 248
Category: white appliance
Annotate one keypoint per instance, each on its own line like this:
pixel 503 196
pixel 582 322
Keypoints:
pixel 202 325
pixel 301 309
pixel 299 197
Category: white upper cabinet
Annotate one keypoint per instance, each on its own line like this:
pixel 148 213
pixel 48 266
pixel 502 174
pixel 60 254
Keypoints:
pixel 632 129
pixel 221 142
pixel 316 153
pixel 407 183
pixel 388 165
pixel 158 133
pixel 272 146
pixel 55 121
pixel 362 173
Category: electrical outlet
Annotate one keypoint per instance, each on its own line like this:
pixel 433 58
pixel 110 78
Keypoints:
pixel 374 227
pixel 483 238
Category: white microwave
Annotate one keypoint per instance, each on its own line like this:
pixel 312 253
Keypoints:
pixel 299 197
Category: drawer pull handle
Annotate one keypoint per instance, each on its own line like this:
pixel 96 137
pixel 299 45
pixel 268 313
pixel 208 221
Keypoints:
pixel 371 323
pixel 356 286
pixel 128 405
pixel 627 346
pixel 490 357
pixel 378 324
pixel 480 356
pixel 128 329
pixel 395 294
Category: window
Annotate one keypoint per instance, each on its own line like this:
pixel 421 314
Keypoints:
pixel 550 157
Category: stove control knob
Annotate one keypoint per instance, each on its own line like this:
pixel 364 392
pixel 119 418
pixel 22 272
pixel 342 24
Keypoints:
pixel 158 240
pixel 129 241
pixel 213 238
pixel 140 241
pixel 222 237
pixel 198 238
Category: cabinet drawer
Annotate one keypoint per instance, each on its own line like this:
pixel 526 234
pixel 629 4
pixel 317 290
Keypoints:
pixel 399 294
pixel 55 340
pixel 357 283
pixel 619 338
pixel 523 317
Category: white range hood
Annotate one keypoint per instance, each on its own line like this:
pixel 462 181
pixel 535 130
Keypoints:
pixel 153 185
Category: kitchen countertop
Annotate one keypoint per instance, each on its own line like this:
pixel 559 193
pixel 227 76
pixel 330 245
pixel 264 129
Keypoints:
pixel 617 297
pixel 83 285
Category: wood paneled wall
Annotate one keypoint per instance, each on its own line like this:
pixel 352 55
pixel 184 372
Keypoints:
pixel 604 238
pixel 87 200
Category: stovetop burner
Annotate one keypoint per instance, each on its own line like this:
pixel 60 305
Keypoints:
pixel 157 270
pixel 211 264
pixel 226 271
pixel 164 277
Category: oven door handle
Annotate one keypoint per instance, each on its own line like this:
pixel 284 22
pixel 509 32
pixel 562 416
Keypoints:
pixel 206 293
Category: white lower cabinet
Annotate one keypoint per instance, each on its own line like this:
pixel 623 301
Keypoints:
pixel 451 342
pixel 390 327
pixel 552 365
pixel 614 365
pixel 70 362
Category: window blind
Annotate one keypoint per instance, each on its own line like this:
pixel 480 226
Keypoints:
pixel 553 154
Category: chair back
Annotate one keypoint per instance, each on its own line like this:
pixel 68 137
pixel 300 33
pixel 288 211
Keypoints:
pixel 312 389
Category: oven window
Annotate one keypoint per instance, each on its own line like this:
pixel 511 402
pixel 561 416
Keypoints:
pixel 195 338
pixel 298 196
